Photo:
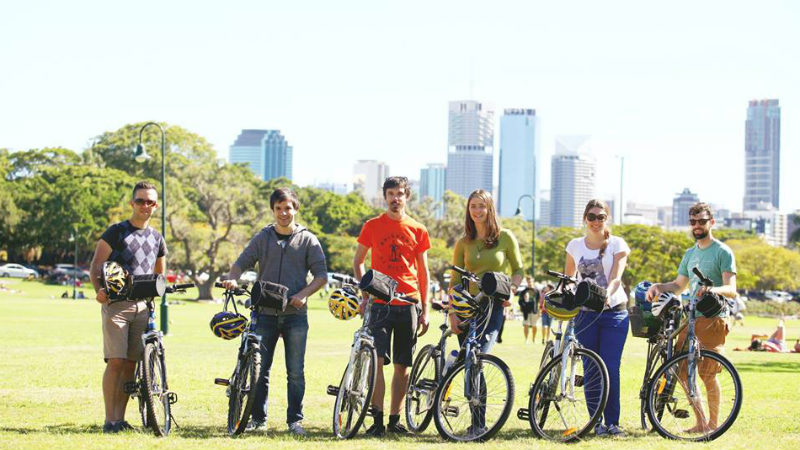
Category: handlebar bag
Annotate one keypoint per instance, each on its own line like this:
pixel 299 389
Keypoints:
pixel 496 285
pixel 378 284
pixel 147 286
pixel 591 295
pixel 266 294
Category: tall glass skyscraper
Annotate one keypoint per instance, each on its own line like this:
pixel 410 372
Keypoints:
pixel 572 181
pixel 519 133
pixel 681 205
pixel 431 185
pixel 266 152
pixel 470 144
pixel 762 152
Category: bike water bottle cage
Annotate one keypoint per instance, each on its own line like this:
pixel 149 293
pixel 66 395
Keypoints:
pixel 266 294
pixel 228 325
pixel 379 285
pixel 343 303
pixel 590 295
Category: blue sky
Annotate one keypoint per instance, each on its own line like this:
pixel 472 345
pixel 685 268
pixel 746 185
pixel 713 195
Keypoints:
pixel 665 84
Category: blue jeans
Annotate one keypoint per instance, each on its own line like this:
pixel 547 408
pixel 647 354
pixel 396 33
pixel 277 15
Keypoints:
pixel 604 333
pixel 294 330
pixel 489 337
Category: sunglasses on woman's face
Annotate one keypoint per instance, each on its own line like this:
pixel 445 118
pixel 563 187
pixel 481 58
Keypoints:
pixel 694 222
pixel 144 201
pixel 591 217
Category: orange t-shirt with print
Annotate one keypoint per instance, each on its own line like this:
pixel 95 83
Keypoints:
pixel 395 245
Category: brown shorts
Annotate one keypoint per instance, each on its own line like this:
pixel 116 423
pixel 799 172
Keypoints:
pixel 711 334
pixel 123 325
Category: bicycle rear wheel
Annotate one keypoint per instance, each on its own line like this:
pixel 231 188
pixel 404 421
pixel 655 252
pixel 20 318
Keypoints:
pixel 140 393
pixel 157 398
pixel 656 356
pixel 422 386
pixel 714 408
pixel 566 416
pixel 473 407
pixel 355 393
pixel 243 391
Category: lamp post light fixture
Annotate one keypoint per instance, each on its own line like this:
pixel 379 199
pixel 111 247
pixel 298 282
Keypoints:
pixel 140 155
pixel 73 237
pixel 533 227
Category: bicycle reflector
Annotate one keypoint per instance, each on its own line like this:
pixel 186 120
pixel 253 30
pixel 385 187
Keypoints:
pixel 343 303
pixel 461 303
pixel 228 325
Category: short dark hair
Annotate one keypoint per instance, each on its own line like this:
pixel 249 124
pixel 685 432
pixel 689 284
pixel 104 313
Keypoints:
pixel 396 182
pixel 143 185
pixel 700 207
pixel 281 195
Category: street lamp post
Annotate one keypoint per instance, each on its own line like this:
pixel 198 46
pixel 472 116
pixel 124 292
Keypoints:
pixel 533 227
pixel 73 237
pixel 141 156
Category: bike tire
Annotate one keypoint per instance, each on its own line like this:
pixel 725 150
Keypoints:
pixel 656 357
pixel 544 397
pixel 157 401
pixel 547 356
pixel 243 392
pixel 668 423
pixel 141 394
pixel 422 385
pixel 363 373
pixel 443 408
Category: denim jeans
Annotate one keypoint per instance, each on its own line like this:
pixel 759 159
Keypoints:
pixel 294 330
pixel 489 337
pixel 605 333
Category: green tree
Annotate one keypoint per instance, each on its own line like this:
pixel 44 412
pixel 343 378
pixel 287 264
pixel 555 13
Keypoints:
pixel 763 267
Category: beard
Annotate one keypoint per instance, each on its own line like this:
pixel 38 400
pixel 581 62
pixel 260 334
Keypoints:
pixel 702 234
pixel 395 207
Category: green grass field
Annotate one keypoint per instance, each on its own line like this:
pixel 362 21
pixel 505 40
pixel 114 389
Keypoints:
pixel 51 367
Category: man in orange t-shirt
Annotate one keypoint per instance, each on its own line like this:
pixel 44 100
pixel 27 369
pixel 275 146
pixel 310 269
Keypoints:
pixel 399 247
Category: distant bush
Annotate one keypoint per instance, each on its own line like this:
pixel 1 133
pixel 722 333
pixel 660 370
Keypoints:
pixel 770 308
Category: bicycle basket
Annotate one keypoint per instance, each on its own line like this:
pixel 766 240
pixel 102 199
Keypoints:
pixel 378 285
pixel 643 323
pixel 590 295
pixel 343 303
pixel 560 304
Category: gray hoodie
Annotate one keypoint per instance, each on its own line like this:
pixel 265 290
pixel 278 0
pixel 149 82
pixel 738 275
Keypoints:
pixel 284 262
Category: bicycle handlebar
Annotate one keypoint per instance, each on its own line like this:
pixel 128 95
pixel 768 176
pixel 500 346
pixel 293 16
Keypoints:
pixel 703 280
pixel 561 276
pixel 178 287
pixel 242 290
pixel 465 273
pixel 345 279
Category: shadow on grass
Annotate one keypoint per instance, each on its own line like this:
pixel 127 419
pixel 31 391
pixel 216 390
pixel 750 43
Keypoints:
pixel 769 366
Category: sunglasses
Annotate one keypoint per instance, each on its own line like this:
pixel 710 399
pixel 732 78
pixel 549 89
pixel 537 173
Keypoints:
pixel 591 217
pixel 694 222
pixel 144 201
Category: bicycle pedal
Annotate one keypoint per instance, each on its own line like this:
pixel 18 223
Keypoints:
pixel 222 381
pixel 681 414
pixel 427 384
pixel 450 411
pixel 578 380
pixel 131 387
pixel 523 414
pixel 333 390
pixel 172 398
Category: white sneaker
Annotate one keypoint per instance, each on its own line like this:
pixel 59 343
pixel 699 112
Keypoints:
pixel 297 429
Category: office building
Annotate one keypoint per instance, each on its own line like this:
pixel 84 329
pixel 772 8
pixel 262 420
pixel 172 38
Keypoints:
pixel 762 154
pixel 470 150
pixel 572 181
pixel 431 185
pixel 519 132
pixel 266 153
pixel 368 178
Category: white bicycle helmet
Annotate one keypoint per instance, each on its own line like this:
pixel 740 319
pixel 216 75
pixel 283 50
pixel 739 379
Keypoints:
pixel 664 302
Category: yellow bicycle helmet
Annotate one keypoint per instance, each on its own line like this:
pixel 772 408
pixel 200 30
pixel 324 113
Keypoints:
pixel 461 302
pixel 114 278
pixel 560 304
pixel 343 303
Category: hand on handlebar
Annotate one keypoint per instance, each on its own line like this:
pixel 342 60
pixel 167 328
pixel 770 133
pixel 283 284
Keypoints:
pixel 229 284
pixel 653 292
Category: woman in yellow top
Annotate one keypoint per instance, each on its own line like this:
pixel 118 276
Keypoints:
pixel 485 247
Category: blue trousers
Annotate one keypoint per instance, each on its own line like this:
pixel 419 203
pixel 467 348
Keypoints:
pixel 604 333
pixel 294 330
pixel 489 337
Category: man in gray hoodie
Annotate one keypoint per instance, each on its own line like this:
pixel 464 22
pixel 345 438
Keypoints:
pixel 285 253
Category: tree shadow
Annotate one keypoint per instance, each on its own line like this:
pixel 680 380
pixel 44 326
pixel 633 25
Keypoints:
pixel 769 366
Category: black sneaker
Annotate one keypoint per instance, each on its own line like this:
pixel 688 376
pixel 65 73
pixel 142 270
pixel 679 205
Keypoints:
pixel 252 426
pixel 397 428
pixel 376 430
pixel 124 426
pixel 110 428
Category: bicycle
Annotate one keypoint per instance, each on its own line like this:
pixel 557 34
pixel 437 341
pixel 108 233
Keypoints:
pixel 149 385
pixel 566 369
pixel 475 404
pixel 242 383
pixel 426 375
pixel 666 409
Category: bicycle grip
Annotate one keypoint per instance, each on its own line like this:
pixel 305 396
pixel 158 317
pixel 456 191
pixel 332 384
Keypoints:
pixel 703 280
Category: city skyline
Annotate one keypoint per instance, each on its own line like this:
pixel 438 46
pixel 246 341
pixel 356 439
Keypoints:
pixel 672 103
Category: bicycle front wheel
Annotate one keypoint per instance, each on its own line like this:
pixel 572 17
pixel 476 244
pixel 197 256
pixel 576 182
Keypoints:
pixel 141 394
pixel 474 406
pixel 355 393
pixel 157 398
pixel 567 414
pixel 422 386
pixel 243 391
pixel 702 412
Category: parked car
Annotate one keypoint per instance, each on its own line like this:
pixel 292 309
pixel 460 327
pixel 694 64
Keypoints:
pixel 70 271
pixel 17 271
pixel 778 296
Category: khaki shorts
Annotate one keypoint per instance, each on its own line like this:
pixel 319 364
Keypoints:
pixel 531 320
pixel 711 334
pixel 123 325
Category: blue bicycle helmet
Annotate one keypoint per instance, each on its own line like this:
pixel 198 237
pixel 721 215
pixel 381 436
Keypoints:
pixel 228 325
pixel 640 295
